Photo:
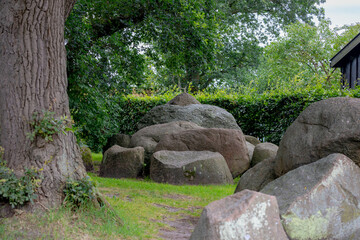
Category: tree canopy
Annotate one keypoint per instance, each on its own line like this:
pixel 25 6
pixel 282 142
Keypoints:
pixel 115 46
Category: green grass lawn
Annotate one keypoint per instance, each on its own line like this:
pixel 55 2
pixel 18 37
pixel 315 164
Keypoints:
pixel 142 205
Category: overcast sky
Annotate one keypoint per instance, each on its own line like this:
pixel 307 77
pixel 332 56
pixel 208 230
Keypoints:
pixel 342 12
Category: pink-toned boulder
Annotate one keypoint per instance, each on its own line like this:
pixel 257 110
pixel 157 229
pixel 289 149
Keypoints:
pixel 228 142
pixel 244 215
pixel 320 200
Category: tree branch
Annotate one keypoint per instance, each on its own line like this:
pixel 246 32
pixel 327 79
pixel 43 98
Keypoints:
pixel 69 4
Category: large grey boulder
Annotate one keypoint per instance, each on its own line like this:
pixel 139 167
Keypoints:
pixel 120 139
pixel 206 116
pixel 189 167
pixel 244 215
pixel 325 127
pixel 258 176
pixel 149 137
pixel 263 151
pixel 320 200
pixel 183 99
pixel 228 142
pixel 119 162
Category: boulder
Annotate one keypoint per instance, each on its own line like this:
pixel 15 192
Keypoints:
pixel 206 116
pixel 87 158
pixel 258 176
pixel 244 215
pixel 228 142
pixel 119 162
pixel 189 167
pixel 120 139
pixel 183 99
pixel 250 149
pixel 253 140
pixel 149 137
pixel 320 200
pixel 263 151
pixel 325 127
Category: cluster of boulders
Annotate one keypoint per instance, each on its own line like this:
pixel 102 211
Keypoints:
pixel 307 188
pixel 184 142
pixel 310 189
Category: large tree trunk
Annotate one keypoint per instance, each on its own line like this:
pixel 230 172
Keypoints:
pixel 33 78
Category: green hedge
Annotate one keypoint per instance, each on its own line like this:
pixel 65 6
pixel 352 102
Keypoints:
pixel 265 116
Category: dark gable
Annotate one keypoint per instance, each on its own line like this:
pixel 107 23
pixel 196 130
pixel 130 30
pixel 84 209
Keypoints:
pixel 348 59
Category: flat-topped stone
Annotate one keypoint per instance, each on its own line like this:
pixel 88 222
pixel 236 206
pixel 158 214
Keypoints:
pixel 189 167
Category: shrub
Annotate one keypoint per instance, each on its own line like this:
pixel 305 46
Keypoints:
pixel 87 158
pixel 18 190
pixel 79 192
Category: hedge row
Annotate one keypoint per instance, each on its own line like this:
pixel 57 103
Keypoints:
pixel 265 116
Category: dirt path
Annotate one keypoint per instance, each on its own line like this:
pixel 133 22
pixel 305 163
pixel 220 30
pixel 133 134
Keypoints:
pixel 182 228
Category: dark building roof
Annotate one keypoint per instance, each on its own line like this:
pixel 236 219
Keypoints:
pixel 344 55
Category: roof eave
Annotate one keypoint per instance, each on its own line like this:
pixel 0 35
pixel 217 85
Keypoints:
pixel 345 51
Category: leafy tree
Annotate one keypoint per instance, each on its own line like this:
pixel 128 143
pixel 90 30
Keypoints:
pixel 33 79
pixel 304 52
pixel 115 46
pixel 185 41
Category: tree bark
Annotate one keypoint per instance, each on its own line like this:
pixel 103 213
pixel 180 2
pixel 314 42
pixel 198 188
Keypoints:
pixel 33 78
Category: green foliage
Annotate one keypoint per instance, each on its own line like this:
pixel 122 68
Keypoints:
pixel 115 46
pixel 265 115
pixel 304 53
pixel 18 190
pixel 46 125
pixel 87 158
pixel 79 192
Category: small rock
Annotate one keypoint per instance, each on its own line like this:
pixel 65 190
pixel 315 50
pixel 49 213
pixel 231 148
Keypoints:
pixel 263 151
pixel 258 176
pixel 253 140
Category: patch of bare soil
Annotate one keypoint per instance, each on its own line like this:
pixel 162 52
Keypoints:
pixel 181 228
